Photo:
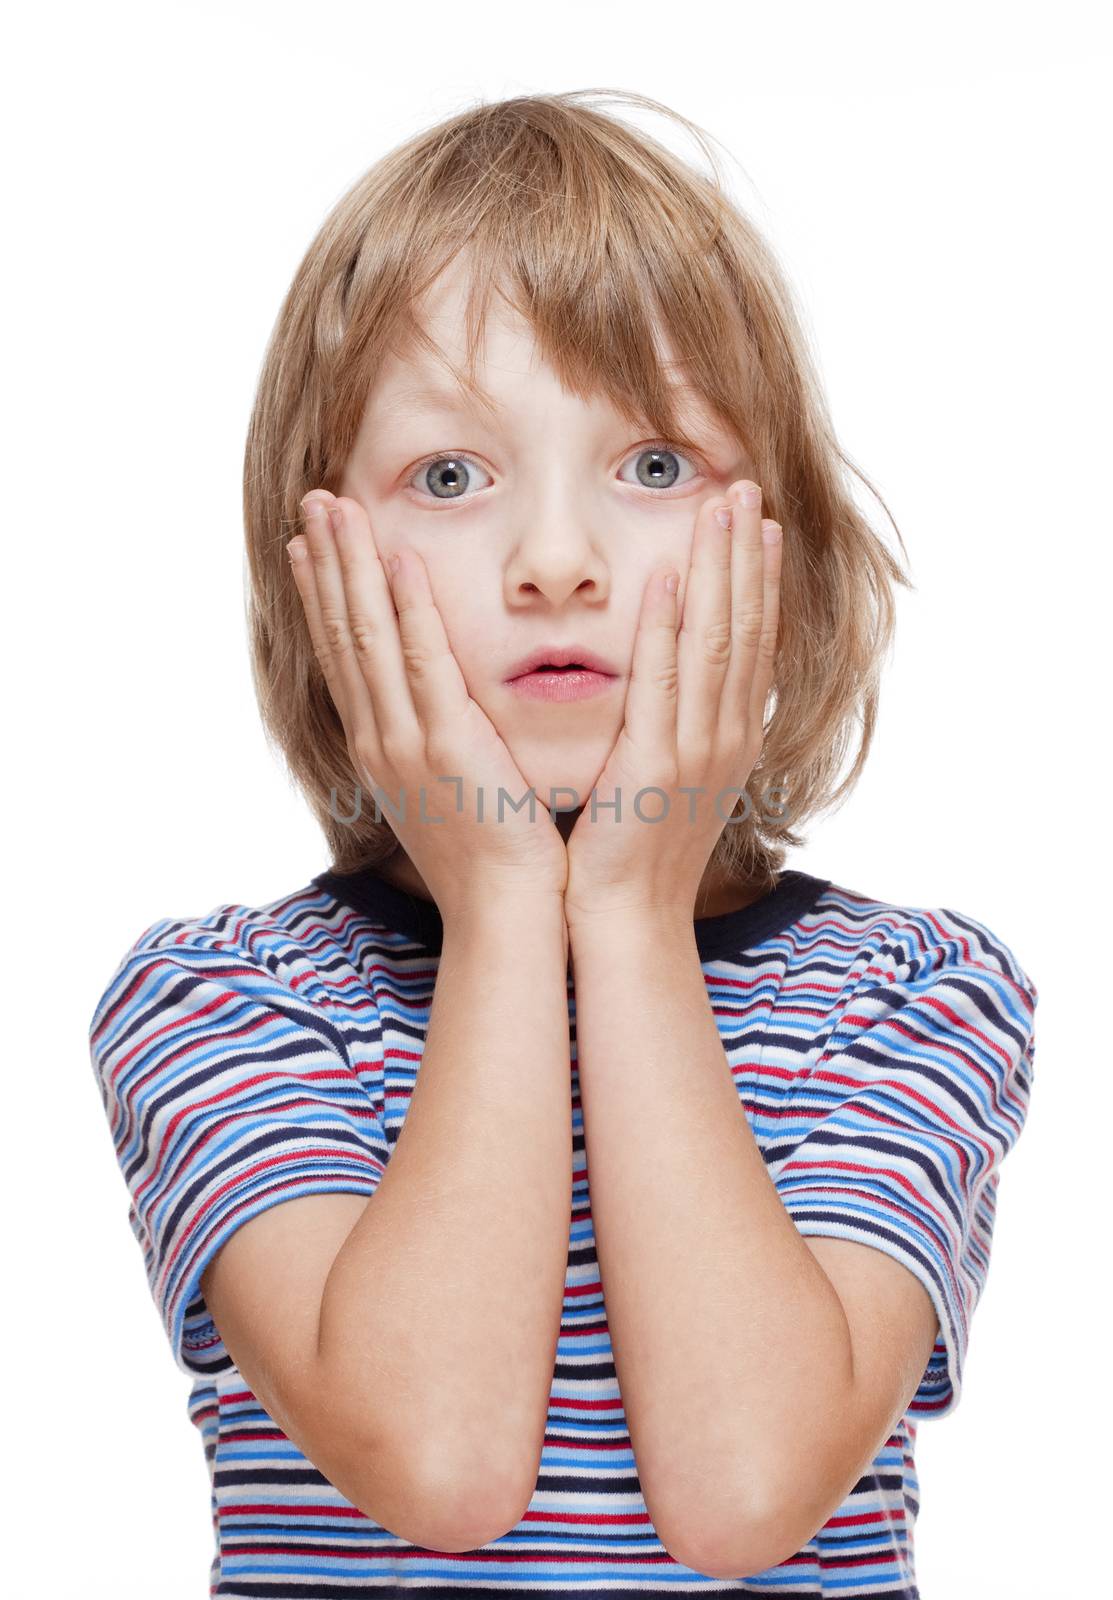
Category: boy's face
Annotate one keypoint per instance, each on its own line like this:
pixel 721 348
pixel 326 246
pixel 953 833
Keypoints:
pixel 538 528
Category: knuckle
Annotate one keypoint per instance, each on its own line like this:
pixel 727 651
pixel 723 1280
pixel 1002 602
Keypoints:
pixel 417 657
pixel 747 623
pixel 666 679
pixel 363 638
pixel 767 647
pixel 716 642
pixel 335 631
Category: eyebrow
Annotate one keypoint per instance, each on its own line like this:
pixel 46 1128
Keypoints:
pixel 428 392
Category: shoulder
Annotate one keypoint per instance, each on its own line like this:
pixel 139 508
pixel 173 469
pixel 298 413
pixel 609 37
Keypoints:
pixel 907 986
pixel 887 942
pixel 286 953
pixel 270 934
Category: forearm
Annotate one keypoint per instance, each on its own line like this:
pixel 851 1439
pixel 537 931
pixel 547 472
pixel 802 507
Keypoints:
pixel 725 1329
pixel 445 1300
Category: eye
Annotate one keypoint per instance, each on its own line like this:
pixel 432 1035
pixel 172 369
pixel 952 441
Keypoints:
pixel 657 466
pixel 445 477
pixel 448 477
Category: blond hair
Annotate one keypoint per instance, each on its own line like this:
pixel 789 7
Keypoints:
pixel 597 230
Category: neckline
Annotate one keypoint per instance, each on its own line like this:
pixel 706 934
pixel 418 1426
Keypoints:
pixel 729 933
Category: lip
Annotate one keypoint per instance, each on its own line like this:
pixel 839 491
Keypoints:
pixel 561 655
pixel 557 687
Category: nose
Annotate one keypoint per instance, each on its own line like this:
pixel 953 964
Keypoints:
pixel 554 555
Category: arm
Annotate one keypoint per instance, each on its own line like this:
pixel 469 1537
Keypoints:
pixel 443 1305
pixel 734 1353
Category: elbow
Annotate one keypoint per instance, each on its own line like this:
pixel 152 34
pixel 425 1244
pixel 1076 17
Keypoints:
pixel 471 1507
pixel 430 1529
pixel 735 1543
pixel 473 1520
pixel 441 1506
pixel 428 1524
pixel 728 1554
pixel 715 1557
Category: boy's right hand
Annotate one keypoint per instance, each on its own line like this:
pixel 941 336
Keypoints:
pixel 409 718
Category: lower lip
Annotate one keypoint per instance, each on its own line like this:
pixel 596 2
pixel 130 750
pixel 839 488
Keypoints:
pixel 559 686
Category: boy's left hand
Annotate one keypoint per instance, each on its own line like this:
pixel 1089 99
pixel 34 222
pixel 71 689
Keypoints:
pixel 694 718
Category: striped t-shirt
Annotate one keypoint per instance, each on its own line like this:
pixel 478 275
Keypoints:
pixel 883 1056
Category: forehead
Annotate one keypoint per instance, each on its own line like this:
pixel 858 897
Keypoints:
pixel 421 384
pixel 425 370
pixel 425 390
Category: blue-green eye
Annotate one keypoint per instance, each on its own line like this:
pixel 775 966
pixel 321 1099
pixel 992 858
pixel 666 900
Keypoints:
pixel 449 477
pixel 446 477
pixel 658 466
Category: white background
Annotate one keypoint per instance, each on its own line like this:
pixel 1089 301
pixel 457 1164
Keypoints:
pixel 935 180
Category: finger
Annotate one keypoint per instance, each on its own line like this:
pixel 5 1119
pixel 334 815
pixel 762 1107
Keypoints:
pixel 304 570
pixel 650 711
pixel 704 640
pixel 372 626
pixel 356 707
pixel 439 692
pixel 773 543
pixel 747 609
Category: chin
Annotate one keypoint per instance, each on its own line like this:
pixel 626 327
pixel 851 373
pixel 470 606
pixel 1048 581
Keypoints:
pixel 544 770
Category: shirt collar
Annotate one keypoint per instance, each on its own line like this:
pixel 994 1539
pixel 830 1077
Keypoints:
pixel 794 894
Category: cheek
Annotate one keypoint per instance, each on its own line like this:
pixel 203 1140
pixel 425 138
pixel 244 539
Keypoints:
pixel 468 599
pixel 631 585
pixel 389 531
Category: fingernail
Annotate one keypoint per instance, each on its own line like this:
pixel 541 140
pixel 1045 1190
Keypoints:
pixel 311 506
pixel 296 548
pixel 749 495
pixel 723 516
pixel 672 583
pixel 771 532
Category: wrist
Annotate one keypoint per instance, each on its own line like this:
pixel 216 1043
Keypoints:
pixel 477 906
pixel 604 921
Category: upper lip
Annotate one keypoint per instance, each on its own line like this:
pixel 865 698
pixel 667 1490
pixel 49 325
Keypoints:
pixel 561 655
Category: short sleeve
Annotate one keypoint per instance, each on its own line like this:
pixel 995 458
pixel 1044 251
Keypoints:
pixel 226 1092
pixel 896 1136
